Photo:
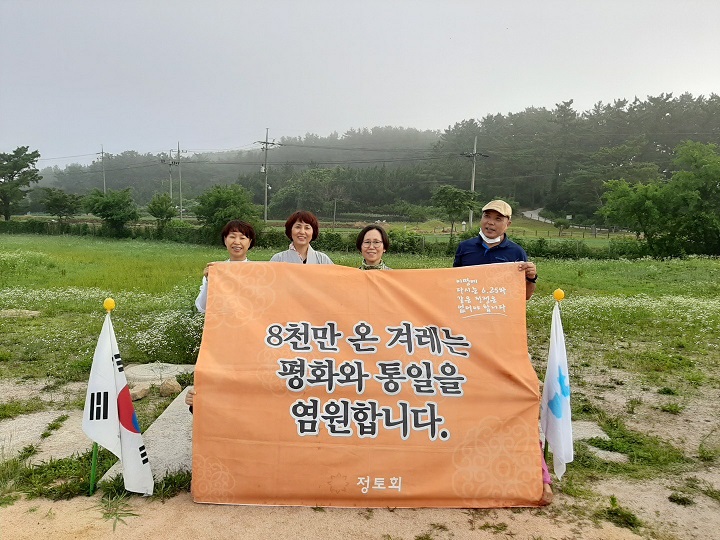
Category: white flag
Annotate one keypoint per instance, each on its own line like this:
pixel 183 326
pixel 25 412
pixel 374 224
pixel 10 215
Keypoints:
pixel 109 418
pixel 555 408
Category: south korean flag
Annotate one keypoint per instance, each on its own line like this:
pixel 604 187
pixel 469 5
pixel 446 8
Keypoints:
pixel 109 418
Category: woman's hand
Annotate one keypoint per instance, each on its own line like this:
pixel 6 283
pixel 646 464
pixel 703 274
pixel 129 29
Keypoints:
pixel 190 396
pixel 207 267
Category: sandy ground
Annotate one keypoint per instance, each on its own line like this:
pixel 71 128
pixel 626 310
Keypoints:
pixel 180 517
pixel 567 518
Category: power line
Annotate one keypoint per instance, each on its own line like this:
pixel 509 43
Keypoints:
pixel 66 157
pixel 327 162
pixel 91 171
pixel 355 149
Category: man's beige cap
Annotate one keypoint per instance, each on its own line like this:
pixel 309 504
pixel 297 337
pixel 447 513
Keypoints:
pixel 499 206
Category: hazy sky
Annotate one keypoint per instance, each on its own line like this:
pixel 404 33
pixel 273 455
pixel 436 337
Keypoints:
pixel 143 75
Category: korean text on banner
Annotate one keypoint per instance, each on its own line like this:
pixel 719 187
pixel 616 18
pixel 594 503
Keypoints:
pixel 330 386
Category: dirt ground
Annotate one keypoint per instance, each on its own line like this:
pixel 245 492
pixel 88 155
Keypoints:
pixel 567 518
pixel 180 517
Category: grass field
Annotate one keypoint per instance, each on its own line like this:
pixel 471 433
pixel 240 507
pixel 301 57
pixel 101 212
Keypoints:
pixel 643 337
pixel 66 279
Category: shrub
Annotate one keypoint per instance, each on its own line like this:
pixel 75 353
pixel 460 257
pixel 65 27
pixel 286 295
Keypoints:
pixel 31 226
pixel 628 249
pixel 331 241
pixel 170 336
pixel 272 238
pixel 115 208
pixel 162 209
pixel 472 233
pixel 570 249
pixel 404 241
pixel 220 204
pixel 185 234
pixel 439 249
pixel 539 247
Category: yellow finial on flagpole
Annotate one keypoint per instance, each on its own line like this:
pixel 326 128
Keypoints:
pixel 109 304
pixel 558 294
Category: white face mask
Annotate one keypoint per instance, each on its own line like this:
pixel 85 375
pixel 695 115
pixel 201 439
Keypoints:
pixel 490 241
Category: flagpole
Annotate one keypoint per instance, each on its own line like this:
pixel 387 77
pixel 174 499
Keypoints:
pixel 93 469
pixel 109 305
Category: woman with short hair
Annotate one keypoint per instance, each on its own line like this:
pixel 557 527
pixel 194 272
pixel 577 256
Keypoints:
pixel 238 237
pixel 301 228
pixel 373 243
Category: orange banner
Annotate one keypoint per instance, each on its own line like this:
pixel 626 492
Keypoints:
pixel 325 385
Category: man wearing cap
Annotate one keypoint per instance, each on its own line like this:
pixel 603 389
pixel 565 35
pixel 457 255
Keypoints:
pixel 493 246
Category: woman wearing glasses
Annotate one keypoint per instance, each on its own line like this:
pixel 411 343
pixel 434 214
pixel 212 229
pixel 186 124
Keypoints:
pixel 373 242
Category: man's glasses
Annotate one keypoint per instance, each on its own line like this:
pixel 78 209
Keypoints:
pixel 374 243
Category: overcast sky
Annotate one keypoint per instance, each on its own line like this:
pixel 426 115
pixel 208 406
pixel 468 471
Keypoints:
pixel 143 75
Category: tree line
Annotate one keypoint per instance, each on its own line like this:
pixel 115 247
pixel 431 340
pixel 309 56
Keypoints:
pixel 572 163
pixel 556 158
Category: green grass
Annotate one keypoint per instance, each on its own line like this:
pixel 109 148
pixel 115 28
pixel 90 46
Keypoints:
pixel 648 456
pixel 54 425
pixel 672 408
pixel 11 470
pixel 151 406
pixel 93 263
pixel 620 516
pixel 642 450
pixel 67 478
pixel 64 478
pixel 173 483
pixel 709 447
pixel 186 379
pixel 16 407
pixel 115 508
pixel 681 499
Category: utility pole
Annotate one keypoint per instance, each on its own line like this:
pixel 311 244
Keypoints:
pixel 472 179
pixel 265 144
pixel 102 160
pixel 474 156
pixel 180 179
pixel 177 162
pixel 170 172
